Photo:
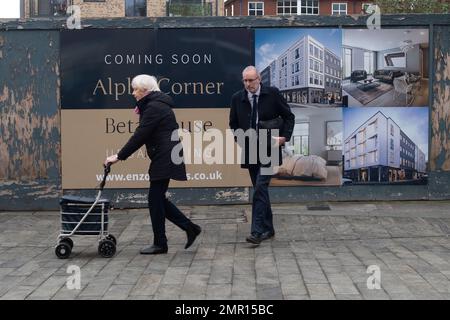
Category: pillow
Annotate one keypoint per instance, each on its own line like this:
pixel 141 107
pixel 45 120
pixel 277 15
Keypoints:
pixel 298 166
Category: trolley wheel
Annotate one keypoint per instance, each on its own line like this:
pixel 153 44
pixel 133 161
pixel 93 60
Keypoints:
pixel 63 250
pixel 106 248
pixel 112 238
pixel 68 241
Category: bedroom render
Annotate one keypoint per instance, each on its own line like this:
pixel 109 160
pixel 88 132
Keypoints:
pixel 385 67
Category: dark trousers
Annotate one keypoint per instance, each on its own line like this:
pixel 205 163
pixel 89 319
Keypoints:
pixel 262 219
pixel 160 209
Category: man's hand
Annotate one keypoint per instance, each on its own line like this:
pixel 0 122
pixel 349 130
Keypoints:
pixel 279 141
pixel 111 159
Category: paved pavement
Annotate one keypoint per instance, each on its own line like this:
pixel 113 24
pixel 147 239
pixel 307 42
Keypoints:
pixel 316 254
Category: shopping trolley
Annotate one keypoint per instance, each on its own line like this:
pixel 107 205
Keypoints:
pixel 85 216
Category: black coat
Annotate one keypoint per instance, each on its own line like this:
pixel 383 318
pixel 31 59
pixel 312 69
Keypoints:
pixel 271 104
pixel 156 124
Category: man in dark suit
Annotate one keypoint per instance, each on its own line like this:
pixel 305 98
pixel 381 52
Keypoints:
pixel 250 107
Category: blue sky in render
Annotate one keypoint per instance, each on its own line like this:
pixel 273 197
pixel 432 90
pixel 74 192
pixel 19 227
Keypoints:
pixel 270 43
pixel 413 121
pixel 9 8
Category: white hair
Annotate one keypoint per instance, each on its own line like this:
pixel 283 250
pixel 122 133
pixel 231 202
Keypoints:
pixel 145 82
pixel 251 69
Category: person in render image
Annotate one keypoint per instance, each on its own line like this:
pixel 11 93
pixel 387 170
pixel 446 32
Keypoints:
pixel 251 106
pixel 157 122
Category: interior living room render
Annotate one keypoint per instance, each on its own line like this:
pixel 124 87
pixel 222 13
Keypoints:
pixel 385 67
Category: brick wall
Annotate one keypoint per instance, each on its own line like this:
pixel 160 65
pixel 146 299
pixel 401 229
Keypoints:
pixel 270 6
pixel 353 7
pixel 107 9
pixel 116 8
pixel 156 8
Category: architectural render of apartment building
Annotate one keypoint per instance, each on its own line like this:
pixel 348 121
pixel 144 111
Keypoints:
pixel 333 74
pixel 307 72
pixel 379 151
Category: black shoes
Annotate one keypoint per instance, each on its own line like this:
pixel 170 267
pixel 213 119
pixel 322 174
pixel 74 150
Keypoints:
pixel 258 238
pixel 254 238
pixel 154 250
pixel 267 235
pixel 192 232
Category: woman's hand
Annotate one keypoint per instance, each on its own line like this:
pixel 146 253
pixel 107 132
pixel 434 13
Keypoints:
pixel 111 159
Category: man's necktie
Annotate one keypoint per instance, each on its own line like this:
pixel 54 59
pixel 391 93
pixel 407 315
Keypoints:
pixel 254 112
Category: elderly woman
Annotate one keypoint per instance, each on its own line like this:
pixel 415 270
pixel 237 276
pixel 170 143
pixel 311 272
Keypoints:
pixel 156 124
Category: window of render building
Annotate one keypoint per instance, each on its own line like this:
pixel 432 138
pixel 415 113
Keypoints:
pixel 309 7
pixel 338 8
pixel 135 8
pixel 256 8
pixel 300 139
pixel 286 7
pixel 369 62
pixel 347 62
pixel 361 160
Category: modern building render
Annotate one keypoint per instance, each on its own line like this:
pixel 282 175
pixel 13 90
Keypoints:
pixel 333 74
pixel 307 72
pixel 379 151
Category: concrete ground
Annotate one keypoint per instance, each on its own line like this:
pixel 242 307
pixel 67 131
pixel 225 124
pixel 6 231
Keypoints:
pixel 316 254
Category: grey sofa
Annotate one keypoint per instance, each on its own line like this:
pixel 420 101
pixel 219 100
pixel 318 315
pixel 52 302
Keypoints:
pixel 387 75
pixel 358 75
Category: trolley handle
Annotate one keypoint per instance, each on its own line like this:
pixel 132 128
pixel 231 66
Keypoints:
pixel 107 170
